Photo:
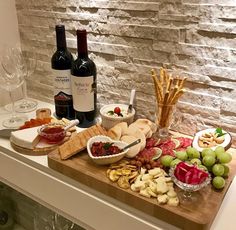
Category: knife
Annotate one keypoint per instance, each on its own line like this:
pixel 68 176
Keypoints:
pixel 131 101
pixel 6 133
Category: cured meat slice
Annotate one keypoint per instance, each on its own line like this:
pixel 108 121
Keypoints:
pixel 151 142
pixel 184 142
pixel 147 154
pixel 167 147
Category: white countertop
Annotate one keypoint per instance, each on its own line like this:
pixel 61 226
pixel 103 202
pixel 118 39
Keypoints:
pixel 81 204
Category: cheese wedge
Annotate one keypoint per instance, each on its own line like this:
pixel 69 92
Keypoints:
pixel 26 138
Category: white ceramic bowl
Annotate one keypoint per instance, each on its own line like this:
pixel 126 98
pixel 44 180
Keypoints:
pixel 104 160
pixel 109 121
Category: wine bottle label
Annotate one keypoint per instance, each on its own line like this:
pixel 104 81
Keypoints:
pixel 62 81
pixel 83 93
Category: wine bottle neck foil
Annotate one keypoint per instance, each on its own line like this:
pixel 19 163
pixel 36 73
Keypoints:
pixel 82 43
pixel 61 37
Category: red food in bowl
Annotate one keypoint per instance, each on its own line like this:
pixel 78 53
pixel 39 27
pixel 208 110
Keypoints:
pixel 190 174
pixel 52 133
pixel 104 149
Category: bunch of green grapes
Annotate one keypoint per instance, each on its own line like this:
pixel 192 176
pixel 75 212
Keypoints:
pixel 214 162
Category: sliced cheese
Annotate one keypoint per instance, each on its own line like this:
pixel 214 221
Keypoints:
pixel 26 138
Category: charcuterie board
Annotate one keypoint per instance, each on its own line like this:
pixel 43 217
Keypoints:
pixel 198 214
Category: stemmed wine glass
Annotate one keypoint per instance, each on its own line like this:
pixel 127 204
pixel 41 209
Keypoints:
pixel 46 219
pixel 10 80
pixel 27 66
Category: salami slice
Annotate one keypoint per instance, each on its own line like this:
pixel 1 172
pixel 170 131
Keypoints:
pixel 151 142
pixel 184 142
pixel 147 154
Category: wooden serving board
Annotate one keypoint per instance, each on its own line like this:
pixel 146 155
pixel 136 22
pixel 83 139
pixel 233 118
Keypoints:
pixel 195 215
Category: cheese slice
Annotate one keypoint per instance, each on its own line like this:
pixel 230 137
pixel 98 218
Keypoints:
pixel 26 138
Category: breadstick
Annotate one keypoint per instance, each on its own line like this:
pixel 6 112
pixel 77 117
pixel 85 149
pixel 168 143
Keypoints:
pixel 169 84
pixel 156 89
pixel 172 94
pixel 161 75
pixel 182 81
pixel 177 96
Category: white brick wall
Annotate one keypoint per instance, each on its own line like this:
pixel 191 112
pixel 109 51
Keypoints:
pixel 128 38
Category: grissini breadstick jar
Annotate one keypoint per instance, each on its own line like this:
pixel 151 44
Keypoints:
pixel 168 90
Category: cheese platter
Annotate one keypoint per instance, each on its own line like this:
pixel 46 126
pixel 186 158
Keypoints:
pixel 42 134
pixel 131 179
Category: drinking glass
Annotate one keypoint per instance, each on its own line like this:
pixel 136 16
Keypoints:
pixel 10 80
pixel 46 219
pixel 27 66
pixel 164 115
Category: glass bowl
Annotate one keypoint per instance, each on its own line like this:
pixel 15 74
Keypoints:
pixel 188 188
pixel 52 132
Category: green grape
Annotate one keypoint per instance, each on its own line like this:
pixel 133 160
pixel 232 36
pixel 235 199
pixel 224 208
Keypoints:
pixel 219 150
pixel 166 160
pixel 182 155
pixel 224 158
pixel 208 161
pixel 203 167
pixel 218 182
pixel 196 161
pixel 192 153
pixel 218 170
pixel 226 170
pixel 208 151
pixel 175 162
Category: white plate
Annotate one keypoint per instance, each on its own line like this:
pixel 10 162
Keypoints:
pixel 226 144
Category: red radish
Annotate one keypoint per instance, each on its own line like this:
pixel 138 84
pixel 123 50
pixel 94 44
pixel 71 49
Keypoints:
pixel 189 174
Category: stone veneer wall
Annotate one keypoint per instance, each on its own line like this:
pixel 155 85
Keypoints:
pixel 127 38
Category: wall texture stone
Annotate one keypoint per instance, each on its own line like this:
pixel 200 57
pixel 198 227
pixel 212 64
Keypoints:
pixel 127 38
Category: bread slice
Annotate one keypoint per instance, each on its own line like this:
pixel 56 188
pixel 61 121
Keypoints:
pixel 78 142
pixel 143 121
pixel 123 126
pixel 133 151
pixel 115 132
pixel 145 128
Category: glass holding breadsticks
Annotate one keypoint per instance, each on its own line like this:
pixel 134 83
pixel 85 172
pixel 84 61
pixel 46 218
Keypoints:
pixel 168 90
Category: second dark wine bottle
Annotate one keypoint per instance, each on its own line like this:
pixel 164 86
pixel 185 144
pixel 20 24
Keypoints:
pixel 61 64
pixel 83 83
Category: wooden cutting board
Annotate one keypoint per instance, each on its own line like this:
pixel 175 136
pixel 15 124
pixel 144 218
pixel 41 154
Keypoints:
pixel 195 215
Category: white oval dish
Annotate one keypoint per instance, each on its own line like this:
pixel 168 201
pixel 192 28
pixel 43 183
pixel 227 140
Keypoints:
pixel 104 160
pixel 226 144
pixel 109 121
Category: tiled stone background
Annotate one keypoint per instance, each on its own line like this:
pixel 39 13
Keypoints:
pixel 127 38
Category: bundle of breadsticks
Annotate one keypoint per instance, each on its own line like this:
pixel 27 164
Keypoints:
pixel 168 90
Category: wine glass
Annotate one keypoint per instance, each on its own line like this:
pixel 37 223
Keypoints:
pixel 27 66
pixel 46 219
pixel 9 81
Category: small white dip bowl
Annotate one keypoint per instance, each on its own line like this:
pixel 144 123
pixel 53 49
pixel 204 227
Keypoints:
pixel 104 160
pixel 108 121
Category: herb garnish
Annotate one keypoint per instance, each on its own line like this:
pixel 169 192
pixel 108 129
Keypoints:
pixel 111 112
pixel 107 145
pixel 219 132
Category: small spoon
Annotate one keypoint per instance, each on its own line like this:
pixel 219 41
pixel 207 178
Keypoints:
pixel 132 94
pixel 131 144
